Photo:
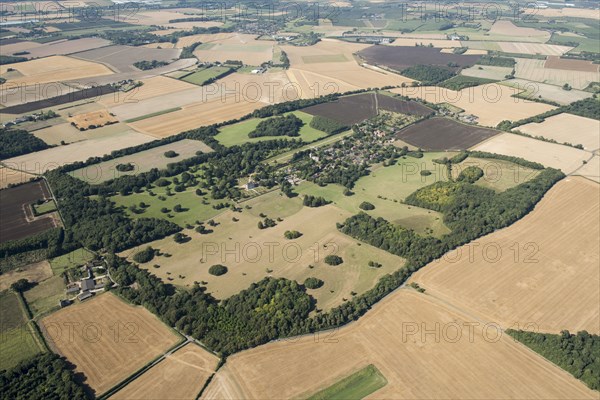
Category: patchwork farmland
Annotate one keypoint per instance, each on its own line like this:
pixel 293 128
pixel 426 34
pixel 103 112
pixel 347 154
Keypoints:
pixel 114 354
pixel 534 283
pixel 477 368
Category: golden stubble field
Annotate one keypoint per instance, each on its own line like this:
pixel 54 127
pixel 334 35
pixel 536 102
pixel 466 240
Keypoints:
pixel 330 67
pixel 567 128
pixel 251 254
pixel 460 358
pixel 54 69
pixel 535 70
pixel 543 270
pixel 10 176
pixel 107 339
pixel 566 158
pixel 492 103
pixel 180 375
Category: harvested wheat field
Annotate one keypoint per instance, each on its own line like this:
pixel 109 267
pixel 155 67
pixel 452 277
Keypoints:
pixel 92 120
pixel 85 334
pixel 565 158
pixel 54 69
pixel 416 365
pixel 491 103
pixel 180 376
pixel 567 128
pixel 242 47
pixel 487 72
pixel 562 12
pixel 269 87
pixel 152 87
pixel 591 169
pixel 330 67
pixel 534 48
pixel 195 116
pixel 8 49
pixel 45 160
pixel 537 90
pixel 507 28
pixel 11 177
pixel 67 47
pixel 204 38
pixel 535 70
pixel 35 272
pixel 543 270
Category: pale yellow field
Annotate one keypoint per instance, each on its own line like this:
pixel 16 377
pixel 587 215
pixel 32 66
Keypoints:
pixel 547 91
pixel 492 103
pixel 506 27
pixel 543 270
pixel 487 72
pixel 287 258
pixel 152 87
pixel 567 128
pixel 534 70
pixel 20 46
pixel 160 45
pixel 563 12
pixel 565 158
pixel 204 38
pixel 195 116
pixel 87 335
pixel 242 47
pixel 35 272
pixel 590 170
pixel 534 48
pixel 41 161
pixel 9 176
pixel 450 364
pixel 435 42
pixel 332 69
pixel 180 376
pixel 270 87
pixel 469 52
pixel 54 69
pixel 162 18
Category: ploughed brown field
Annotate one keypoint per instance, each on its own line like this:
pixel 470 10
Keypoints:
pixel 121 58
pixel 16 215
pixel 439 134
pixel 354 109
pixel 401 57
pixel 571 65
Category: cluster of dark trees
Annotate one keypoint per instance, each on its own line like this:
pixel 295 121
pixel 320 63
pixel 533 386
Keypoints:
pixel 471 174
pixel 428 74
pixel 188 51
pixel 43 377
pixel 286 125
pixel 217 270
pixel 365 205
pixel 314 201
pixel 313 283
pixel 15 142
pixel 577 354
pixel 146 65
pixel 143 256
pixel 4 59
pixel 327 125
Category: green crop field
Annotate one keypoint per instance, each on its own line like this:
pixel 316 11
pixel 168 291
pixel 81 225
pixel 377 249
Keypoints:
pixel 44 297
pixel 73 259
pixel 236 134
pixel 44 208
pixel 17 341
pixel 386 188
pixel 354 387
pixel 200 77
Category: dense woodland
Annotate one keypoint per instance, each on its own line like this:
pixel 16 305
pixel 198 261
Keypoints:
pixel 15 142
pixel 428 74
pixel 43 377
pixel 285 125
pixel 577 354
